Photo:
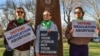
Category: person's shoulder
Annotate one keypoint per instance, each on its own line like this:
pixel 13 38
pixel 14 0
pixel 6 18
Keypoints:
pixel 38 26
pixel 12 21
pixel 52 22
pixel 26 21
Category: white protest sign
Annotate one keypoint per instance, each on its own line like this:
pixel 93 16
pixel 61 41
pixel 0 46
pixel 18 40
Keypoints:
pixel 19 36
pixel 84 28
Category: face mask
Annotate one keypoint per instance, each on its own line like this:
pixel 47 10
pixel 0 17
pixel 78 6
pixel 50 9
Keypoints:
pixel 20 20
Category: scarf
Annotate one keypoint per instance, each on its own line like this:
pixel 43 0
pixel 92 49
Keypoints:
pixel 20 20
pixel 46 24
pixel 79 18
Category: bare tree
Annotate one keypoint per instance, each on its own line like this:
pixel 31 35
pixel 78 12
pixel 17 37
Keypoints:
pixel 30 6
pixel 9 7
pixel 92 7
pixel 68 6
pixel 7 10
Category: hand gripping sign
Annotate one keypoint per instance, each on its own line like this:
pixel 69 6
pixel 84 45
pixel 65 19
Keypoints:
pixel 19 35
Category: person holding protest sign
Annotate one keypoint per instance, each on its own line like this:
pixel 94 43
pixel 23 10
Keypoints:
pixel 22 50
pixel 45 25
pixel 78 45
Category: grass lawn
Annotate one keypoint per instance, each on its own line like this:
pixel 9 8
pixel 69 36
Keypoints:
pixel 1 47
pixel 94 48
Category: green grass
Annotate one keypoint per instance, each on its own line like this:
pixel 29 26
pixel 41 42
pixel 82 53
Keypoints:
pixel 65 48
pixel 1 47
pixel 94 48
pixel 1 51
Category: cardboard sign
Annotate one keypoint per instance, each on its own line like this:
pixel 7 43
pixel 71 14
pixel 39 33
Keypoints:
pixel 84 28
pixel 19 35
pixel 48 43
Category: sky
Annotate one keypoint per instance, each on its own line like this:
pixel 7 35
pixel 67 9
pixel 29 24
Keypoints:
pixel 2 1
pixel 61 10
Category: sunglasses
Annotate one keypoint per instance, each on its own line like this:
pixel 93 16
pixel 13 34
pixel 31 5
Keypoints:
pixel 77 12
pixel 20 12
pixel 46 15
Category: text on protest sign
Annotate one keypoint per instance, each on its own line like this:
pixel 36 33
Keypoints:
pixel 48 43
pixel 84 28
pixel 19 35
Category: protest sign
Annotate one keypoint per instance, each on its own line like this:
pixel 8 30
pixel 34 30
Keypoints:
pixel 48 43
pixel 19 35
pixel 84 28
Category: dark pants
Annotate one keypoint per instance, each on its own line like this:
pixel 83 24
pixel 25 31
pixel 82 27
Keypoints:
pixel 78 50
pixel 8 53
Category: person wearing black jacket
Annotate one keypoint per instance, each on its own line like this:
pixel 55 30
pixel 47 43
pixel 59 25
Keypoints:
pixel 23 50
